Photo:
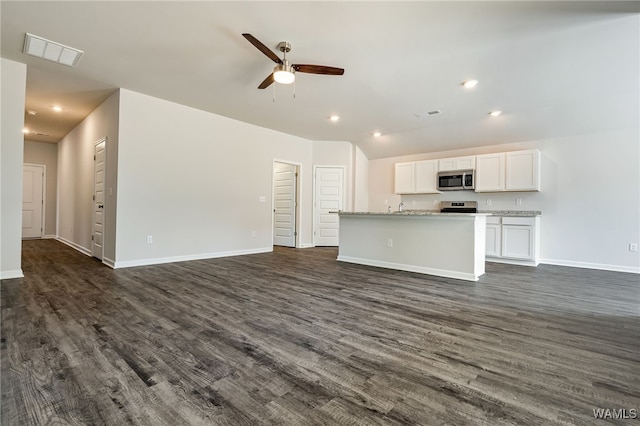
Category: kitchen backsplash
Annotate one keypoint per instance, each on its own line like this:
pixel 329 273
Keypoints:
pixel 486 201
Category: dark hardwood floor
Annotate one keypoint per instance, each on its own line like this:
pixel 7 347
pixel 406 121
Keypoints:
pixel 296 338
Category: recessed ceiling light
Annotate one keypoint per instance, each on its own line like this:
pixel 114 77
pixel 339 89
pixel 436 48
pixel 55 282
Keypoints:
pixel 334 118
pixel 31 112
pixel 495 113
pixel 56 108
pixel 377 134
pixel 51 50
pixel 469 84
pixel 25 130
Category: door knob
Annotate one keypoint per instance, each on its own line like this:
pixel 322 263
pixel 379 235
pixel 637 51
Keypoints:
pixel 101 206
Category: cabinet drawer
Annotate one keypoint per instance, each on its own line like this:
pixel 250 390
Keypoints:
pixel 493 220
pixel 519 221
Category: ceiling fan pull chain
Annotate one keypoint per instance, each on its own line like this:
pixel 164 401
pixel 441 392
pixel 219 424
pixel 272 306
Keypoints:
pixel 294 89
pixel 274 93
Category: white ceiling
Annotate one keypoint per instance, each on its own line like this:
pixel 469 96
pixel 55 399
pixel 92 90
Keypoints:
pixel 548 65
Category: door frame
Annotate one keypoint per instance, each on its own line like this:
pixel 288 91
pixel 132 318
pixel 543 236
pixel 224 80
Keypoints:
pixel 344 193
pixel 44 195
pixel 298 198
pixel 93 202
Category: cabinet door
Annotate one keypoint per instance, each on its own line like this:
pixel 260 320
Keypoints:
pixel 517 242
pixel 465 163
pixel 405 178
pixel 494 240
pixel 523 171
pixel 426 173
pixel 490 173
pixel 457 163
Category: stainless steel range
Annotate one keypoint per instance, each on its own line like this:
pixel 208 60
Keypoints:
pixel 459 207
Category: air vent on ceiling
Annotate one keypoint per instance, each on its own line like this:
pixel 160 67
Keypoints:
pixel 434 112
pixel 51 51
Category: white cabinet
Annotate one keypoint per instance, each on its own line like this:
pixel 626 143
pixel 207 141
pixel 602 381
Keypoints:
pixel 405 178
pixel 493 236
pixel 457 163
pixel 490 172
pixel 523 171
pixel 508 171
pixel 416 177
pixel 513 240
pixel 426 176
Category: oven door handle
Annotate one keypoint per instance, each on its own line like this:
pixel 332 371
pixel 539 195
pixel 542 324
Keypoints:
pixel 464 175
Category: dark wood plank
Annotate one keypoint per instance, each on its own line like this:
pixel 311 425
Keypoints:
pixel 295 337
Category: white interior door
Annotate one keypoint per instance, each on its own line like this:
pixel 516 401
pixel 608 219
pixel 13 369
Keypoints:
pixel 284 204
pixel 32 200
pixel 329 188
pixel 98 199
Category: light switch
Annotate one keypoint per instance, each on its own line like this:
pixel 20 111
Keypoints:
pixel 262 199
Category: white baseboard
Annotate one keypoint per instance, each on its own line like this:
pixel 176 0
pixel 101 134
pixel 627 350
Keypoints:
pixel 306 246
pixel 9 275
pixel 511 261
pixel 588 265
pixel 50 237
pixel 411 268
pixel 73 245
pixel 157 261
pixel 110 263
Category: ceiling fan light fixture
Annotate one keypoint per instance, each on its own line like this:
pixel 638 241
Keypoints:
pixel 283 74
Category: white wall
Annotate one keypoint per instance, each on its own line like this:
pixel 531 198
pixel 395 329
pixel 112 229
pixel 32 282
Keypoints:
pixel 192 180
pixel 13 85
pixel 590 197
pixel 76 181
pixel 361 181
pixel 47 155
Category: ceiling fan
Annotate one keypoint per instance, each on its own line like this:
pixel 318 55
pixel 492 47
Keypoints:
pixel 284 72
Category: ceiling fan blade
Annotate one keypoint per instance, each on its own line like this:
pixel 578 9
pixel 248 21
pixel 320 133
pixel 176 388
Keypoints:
pixel 261 47
pixel 267 82
pixel 318 69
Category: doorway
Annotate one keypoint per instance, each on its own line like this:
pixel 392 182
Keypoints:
pixel 328 197
pixel 97 231
pixel 285 204
pixel 33 206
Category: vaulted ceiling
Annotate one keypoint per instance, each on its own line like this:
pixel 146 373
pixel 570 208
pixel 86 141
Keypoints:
pixel 552 67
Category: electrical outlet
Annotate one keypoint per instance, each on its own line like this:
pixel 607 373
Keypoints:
pixel 149 239
pixel 413 203
pixel 633 247
pixel 253 234
pixel 436 202
pixel 386 202
pixel 389 242
pixel 518 201
pixel 488 202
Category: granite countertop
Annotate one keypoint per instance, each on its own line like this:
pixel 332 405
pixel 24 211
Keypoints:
pixel 509 213
pixel 413 213
pixel 513 213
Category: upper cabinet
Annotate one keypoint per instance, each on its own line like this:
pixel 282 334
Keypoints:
pixel 503 171
pixel 510 171
pixel 405 178
pixel 457 163
pixel 417 177
pixel 490 172
pixel 523 171
pixel 426 176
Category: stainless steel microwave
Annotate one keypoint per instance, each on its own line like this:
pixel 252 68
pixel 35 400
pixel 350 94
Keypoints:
pixel 456 180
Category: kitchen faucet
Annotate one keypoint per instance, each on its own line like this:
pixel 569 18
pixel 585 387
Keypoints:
pixel 400 206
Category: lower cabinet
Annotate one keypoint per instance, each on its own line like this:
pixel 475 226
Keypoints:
pixel 513 240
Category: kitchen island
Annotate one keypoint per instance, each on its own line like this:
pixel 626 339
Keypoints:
pixel 449 245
